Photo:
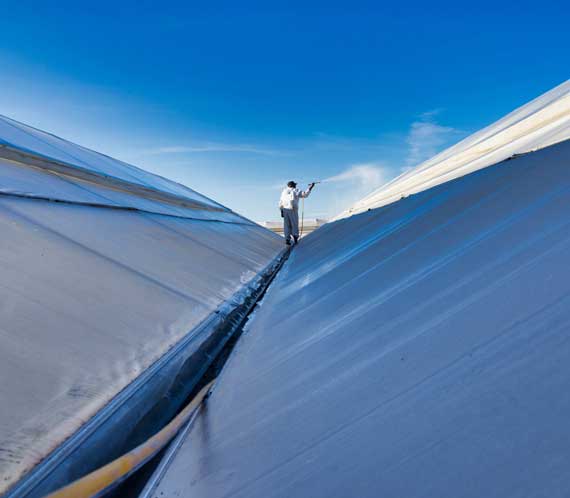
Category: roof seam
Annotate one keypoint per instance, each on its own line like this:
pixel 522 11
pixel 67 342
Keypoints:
pixel 30 159
pixel 117 207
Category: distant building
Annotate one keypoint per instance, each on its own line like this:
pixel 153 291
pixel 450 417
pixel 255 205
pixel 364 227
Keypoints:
pixel 305 228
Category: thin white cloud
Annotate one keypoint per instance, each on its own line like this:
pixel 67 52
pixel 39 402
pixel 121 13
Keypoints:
pixel 426 138
pixel 212 147
pixel 430 115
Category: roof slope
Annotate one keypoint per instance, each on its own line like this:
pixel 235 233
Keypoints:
pixel 540 123
pixel 419 349
pixel 104 269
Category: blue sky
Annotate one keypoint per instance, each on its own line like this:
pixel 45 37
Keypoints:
pixel 234 100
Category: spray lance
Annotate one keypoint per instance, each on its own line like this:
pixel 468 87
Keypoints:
pixel 311 185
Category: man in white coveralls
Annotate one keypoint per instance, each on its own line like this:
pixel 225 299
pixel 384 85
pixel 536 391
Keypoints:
pixel 289 205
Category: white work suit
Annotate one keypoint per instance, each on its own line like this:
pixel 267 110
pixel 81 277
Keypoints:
pixel 289 205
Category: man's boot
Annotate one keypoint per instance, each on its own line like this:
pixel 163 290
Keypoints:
pixel 296 239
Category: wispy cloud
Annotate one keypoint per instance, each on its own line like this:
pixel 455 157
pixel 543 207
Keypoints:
pixel 212 147
pixel 426 137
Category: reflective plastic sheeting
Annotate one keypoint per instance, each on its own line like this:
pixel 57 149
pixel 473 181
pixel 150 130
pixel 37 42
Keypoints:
pixel 100 281
pixel 90 297
pixel 22 180
pixel 27 139
pixel 419 349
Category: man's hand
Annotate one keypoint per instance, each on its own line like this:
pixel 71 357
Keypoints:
pixel 311 185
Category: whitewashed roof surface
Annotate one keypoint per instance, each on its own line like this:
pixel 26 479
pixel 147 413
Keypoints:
pixel 540 123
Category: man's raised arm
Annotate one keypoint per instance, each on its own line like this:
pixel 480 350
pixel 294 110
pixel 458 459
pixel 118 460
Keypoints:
pixel 305 193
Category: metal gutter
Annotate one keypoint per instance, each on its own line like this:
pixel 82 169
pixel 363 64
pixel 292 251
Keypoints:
pixel 169 455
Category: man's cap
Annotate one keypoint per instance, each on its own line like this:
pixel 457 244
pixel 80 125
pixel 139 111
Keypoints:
pixel 292 184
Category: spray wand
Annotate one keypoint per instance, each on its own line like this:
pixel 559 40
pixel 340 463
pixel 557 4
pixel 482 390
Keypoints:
pixel 311 185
